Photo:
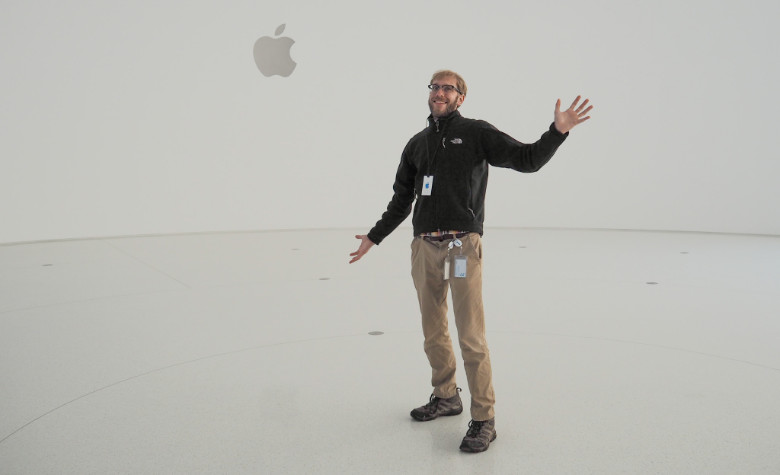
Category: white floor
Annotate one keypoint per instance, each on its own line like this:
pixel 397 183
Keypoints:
pixel 613 352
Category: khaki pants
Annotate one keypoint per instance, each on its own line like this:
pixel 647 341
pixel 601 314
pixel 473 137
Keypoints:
pixel 428 275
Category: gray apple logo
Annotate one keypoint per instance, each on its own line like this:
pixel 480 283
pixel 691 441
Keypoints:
pixel 272 55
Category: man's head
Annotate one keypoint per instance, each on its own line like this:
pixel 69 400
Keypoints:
pixel 448 91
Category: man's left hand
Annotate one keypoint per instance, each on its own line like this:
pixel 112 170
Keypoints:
pixel 574 115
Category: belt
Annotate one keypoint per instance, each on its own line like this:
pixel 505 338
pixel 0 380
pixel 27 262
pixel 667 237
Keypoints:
pixel 443 237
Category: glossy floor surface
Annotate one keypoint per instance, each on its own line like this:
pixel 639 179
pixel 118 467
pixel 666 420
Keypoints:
pixel 613 352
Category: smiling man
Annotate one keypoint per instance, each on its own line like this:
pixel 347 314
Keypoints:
pixel 444 173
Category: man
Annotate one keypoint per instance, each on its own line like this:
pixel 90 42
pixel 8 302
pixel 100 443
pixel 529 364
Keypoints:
pixel 444 171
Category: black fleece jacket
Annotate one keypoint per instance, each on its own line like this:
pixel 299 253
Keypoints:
pixel 456 151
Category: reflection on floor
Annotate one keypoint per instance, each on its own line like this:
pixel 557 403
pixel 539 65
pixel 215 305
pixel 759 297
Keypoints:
pixel 613 352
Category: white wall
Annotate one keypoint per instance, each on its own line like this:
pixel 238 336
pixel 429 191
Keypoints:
pixel 141 117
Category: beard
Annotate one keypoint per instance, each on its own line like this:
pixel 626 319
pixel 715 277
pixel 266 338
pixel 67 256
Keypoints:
pixel 442 110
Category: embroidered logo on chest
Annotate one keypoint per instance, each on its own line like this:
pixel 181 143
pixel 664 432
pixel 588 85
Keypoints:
pixel 456 141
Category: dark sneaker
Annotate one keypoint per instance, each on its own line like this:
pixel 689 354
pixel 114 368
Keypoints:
pixel 438 406
pixel 479 436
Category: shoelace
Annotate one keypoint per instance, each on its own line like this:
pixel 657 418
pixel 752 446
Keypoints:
pixel 432 405
pixel 474 428
pixel 433 402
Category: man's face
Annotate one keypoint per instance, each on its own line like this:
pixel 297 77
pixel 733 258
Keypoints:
pixel 442 103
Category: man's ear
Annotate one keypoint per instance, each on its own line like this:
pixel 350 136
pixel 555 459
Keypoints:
pixel 461 98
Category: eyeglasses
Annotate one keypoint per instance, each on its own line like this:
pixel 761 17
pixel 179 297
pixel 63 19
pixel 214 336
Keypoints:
pixel 446 88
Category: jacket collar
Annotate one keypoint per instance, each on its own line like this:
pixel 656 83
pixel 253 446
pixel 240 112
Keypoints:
pixel 443 120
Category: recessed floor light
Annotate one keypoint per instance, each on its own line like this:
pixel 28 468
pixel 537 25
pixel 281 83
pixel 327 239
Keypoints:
pixel 376 333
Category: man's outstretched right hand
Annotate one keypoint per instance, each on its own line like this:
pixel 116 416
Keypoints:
pixel 365 245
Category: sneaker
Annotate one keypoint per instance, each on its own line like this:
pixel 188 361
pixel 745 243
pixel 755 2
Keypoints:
pixel 479 436
pixel 438 406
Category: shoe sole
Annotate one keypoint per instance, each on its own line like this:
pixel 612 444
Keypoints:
pixel 472 450
pixel 428 417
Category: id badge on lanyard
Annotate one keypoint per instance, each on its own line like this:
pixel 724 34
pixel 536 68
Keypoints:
pixel 427 185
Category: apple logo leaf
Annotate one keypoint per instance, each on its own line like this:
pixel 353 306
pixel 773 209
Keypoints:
pixel 280 29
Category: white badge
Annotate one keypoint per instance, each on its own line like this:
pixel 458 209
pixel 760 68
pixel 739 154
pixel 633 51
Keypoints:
pixel 460 267
pixel 427 185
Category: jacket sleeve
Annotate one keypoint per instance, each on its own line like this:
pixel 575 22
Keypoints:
pixel 506 152
pixel 401 204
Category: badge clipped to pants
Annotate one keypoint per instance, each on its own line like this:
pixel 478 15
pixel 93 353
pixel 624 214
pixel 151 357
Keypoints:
pixel 460 267
pixel 460 261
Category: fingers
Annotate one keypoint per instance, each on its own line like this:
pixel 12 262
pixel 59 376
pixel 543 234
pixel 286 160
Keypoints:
pixel 356 256
pixel 558 106
pixel 362 250
pixel 581 109
pixel 582 106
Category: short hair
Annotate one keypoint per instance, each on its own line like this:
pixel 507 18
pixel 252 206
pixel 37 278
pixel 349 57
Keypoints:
pixel 459 82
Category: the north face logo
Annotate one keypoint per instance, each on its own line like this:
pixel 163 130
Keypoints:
pixel 456 141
